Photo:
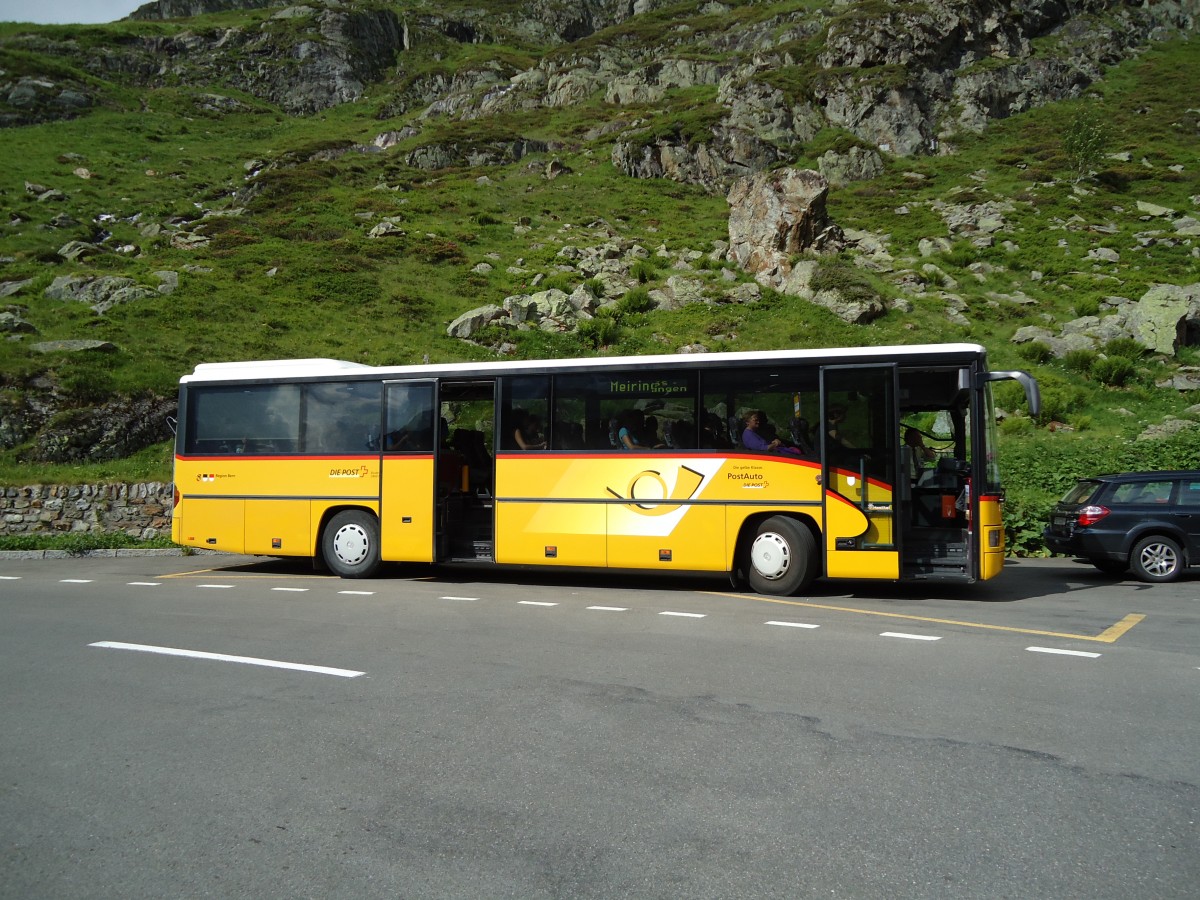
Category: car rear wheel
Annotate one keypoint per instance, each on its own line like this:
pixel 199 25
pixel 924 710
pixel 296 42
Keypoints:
pixel 1156 559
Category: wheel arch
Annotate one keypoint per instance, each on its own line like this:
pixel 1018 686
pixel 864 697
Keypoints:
pixel 1159 529
pixel 750 524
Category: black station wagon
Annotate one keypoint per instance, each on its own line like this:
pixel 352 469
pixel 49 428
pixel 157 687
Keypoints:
pixel 1147 522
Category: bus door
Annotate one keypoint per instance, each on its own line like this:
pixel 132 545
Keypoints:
pixel 465 469
pixel 859 459
pixel 407 446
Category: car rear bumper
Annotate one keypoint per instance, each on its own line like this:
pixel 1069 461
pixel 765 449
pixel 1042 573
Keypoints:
pixel 1087 546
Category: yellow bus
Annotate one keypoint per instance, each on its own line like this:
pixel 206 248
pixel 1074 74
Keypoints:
pixel 774 467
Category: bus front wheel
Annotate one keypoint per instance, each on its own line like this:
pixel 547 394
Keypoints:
pixel 781 558
pixel 350 544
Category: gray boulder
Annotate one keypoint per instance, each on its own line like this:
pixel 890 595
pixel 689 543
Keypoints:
pixel 101 293
pixel 1160 319
pixel 774 216
pixel 476 319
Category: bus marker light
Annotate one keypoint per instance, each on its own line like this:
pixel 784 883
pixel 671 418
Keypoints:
pixel 551 553
pixel 664 555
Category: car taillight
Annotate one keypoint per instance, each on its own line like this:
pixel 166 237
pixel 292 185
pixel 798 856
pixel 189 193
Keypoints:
pixel 1090 515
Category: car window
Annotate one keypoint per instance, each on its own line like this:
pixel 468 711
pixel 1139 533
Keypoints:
pixel 1081 493
pixel 1189 492
pixel 1141 492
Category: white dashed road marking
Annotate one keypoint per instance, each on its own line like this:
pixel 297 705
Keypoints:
pixel 291 590
pixel 1083 653
pixel 75 581
pixel 472 599
pixel 143 583
pixel 793 624
pixel 10 577
pixel 610 608
pixel 222 657
pixel 222 587
pixel 683 615
pixel 911 637
pixel 535 603
pixel 359 593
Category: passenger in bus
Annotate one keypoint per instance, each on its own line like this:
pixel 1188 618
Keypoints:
pixel 681 434
pixel 759 437
pixel 834 417
pixel 712 434
pixel 631 431
pixel 649 436
pixel 527 431
pixel 919 454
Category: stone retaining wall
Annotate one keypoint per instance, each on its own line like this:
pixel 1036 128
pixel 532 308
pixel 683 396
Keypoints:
pixel 140 510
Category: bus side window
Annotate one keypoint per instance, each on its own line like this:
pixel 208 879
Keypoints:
pixel 409 426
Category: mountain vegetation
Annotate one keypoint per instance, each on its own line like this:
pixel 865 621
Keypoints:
pixel 393 182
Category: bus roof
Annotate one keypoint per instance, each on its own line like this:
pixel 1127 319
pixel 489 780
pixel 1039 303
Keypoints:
pixel 317 369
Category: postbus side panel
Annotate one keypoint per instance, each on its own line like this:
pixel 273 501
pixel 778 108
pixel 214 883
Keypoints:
pixel 210 523
pixel 267 505
pixel 646 510
pixel 549 510
pixel 990 529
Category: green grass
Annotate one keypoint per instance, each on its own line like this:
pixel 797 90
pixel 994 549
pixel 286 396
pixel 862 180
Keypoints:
pixel 297 275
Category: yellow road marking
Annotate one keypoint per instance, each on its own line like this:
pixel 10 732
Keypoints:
pixel 1108 636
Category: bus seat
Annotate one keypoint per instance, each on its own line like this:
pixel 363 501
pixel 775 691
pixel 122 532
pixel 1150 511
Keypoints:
pixel 471 445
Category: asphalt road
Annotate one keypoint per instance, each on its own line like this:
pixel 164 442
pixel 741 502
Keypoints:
pixel 479 735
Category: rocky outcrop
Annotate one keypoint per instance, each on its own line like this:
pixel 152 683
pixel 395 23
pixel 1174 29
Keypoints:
pixel 114 430
pixel 1164 319
pixel 101 293
pixel 713 164
pixel 32 99
pixel 184 9
pixel 774 216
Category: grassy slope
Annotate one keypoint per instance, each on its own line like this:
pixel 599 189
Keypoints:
pixel 296 275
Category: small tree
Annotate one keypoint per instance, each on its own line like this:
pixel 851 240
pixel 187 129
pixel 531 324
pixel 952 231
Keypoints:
pixel 1085 140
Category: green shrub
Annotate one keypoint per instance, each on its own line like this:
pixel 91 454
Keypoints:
pixel 1041 467
pixel 1059 400
pixel 1014 425
pixel 1087 306
pixel 1085 140
pixel 1035 351
pixel 602 331
pixel 1079 360
pixel 79 541
pixel 437 250
pixel 636 301
pixel 1126 348
pixel 646 270
pixel 1116 371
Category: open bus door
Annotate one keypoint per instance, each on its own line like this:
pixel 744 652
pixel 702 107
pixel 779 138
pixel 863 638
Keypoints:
pixel 859 465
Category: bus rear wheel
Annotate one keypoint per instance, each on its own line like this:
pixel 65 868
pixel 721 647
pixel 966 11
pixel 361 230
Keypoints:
pixel 781 558
pixel 350 544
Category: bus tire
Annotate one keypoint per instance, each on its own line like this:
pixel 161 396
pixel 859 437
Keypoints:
pixel 1156 559
pixel 781 558
pixel 350 544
